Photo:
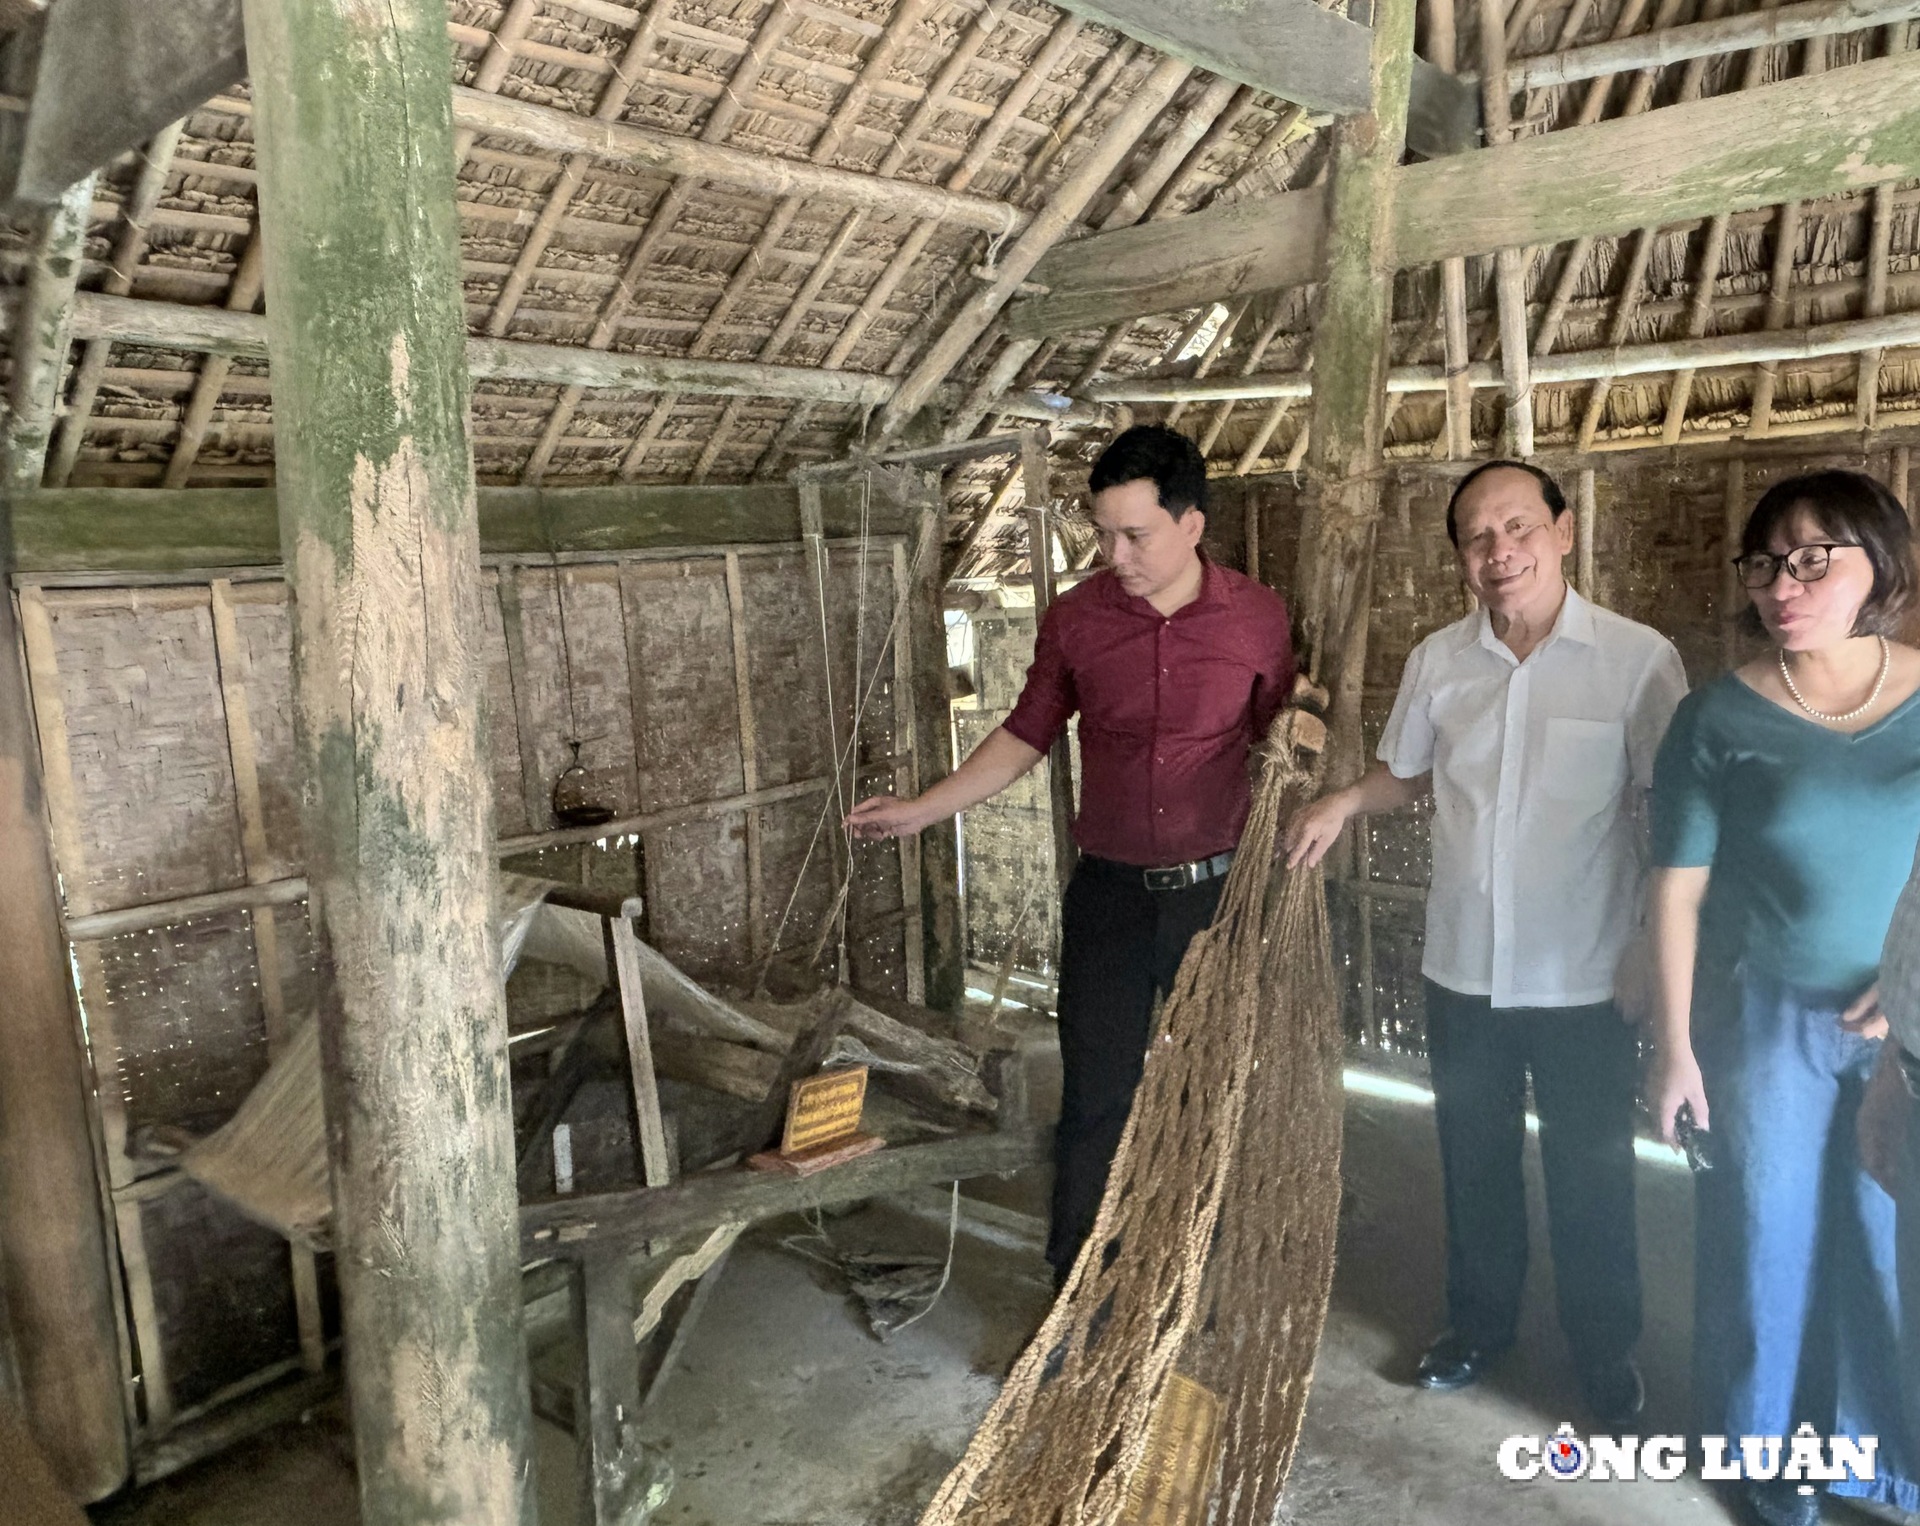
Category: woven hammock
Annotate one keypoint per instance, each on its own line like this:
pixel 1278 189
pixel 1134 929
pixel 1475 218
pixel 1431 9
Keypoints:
pixel 1168 1383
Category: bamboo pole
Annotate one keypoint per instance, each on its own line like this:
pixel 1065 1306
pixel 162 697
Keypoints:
pixel 194 423
pixel 573 168
pixel 1346 431
pixel 905 21
pixel 1510 265
pixel 1733 518
pixel 1895 330
pixel 1442 48
pixel 1036 478
pixel 1707 38
pixel 660 223
pixel 155 164
pixel 1010 110
pixel 61 1345
pixel 630 147
pixel 1874 303
pixel 959 60
pixel 1016 262
pixel 1586 508
pixel 1786 244
pixel 354 136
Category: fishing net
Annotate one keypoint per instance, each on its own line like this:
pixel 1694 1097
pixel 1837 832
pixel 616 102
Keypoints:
pixel 1169 1380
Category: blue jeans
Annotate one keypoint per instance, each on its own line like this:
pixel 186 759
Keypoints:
pixel 1796 1306
pixel 1909 1258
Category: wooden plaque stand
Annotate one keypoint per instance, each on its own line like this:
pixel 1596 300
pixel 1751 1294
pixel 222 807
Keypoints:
pixel 823 1125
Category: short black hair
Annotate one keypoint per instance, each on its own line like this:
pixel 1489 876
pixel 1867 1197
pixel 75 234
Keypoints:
pixel 1157 454
pixel 1549 490
pixel 1853 508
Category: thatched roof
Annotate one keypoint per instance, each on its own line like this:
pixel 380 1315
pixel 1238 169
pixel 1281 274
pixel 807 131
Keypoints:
pixel 1000 102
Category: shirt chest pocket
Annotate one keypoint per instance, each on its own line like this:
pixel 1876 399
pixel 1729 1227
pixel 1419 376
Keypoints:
pixel 1584 762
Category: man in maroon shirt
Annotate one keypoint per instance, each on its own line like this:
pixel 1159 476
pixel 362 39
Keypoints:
pixel 1176 667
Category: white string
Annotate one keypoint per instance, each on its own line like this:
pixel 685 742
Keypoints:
pixel 926 543
pixel 946 1272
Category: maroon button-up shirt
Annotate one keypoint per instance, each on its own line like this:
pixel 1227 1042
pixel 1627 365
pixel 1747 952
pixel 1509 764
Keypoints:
pixel 1169 707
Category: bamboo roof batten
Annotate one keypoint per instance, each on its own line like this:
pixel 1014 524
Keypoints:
pixel 156 163
pixel 1016 100
pixel 652 299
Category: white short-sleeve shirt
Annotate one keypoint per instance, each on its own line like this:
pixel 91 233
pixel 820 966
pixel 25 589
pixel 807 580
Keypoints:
pixel 1538 769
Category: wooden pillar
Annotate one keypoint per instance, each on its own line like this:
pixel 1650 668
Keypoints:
pixel 1347 426
pixel 60 1339
pixel 1037 478
pixel 942 926
pixel 354 131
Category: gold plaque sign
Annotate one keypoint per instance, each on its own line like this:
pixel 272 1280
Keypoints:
pixel 1176 1475
pixel 824 1108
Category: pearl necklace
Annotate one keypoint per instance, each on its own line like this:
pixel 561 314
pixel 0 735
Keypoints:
pixel 1886 662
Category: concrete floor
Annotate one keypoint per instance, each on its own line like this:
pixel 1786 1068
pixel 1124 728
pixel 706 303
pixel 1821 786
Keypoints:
pixel 787 1412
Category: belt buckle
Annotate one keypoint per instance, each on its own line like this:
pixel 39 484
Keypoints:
pixel 1179 877
pixel 1910 1071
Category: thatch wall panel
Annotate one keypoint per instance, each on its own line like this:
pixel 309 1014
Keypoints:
pixel 153 779
pixel 688 725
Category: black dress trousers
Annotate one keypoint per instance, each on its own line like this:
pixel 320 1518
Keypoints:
pixel 1584 1071
pixel 1120 947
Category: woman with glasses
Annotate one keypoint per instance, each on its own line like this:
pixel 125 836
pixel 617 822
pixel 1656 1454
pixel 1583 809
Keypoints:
pixel 1786 808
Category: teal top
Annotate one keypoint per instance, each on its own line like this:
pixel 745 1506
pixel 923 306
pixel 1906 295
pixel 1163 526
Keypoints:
pixel 1809 832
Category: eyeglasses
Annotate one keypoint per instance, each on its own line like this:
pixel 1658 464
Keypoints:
pixel 1804 564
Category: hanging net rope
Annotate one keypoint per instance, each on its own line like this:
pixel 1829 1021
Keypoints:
pixel 1201 1292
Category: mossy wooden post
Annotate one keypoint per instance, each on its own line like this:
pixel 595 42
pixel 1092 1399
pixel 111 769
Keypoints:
pixel 354 130
pixel 1347 427
pixel 60 1337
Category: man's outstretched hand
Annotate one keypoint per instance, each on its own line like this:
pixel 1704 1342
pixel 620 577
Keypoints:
pixel 1315 828
pixel 885 816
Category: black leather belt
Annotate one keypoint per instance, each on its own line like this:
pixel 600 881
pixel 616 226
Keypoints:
pixel 1910 1068
pixel 1173 877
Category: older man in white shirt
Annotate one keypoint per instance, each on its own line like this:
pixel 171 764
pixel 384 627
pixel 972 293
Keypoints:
pixel 1534 722
pixel 1889 1123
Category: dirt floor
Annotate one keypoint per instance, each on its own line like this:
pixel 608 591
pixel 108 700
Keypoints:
pixel 786 1411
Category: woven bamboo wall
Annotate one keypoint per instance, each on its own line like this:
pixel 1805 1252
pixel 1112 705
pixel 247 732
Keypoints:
pixel 166 727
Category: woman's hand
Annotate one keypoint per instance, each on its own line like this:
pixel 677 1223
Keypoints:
pixel 884 816
pixel 1863 1018
pixel 1886 1113
pixel 1675 1082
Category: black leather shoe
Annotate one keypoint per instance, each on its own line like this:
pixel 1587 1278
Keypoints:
pixel 1615 1394
pixel 1775 1502
pixel 1453 1362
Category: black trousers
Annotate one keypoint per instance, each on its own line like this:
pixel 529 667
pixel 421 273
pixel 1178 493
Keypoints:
pixel 1120 947
pixel 1584 1079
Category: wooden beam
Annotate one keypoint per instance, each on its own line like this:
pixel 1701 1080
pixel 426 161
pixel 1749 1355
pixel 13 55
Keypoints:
pixel 149 530
pixel 354 136
pixel 1895 330
pixel 1296 50
pixel 1780 142
pixel 42 335
pixel 1704 39
pixel 110 74
pixel 701 1203
pixel 1346 432
pixel 1062 206
pixel 632 147
pixel 62 1337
